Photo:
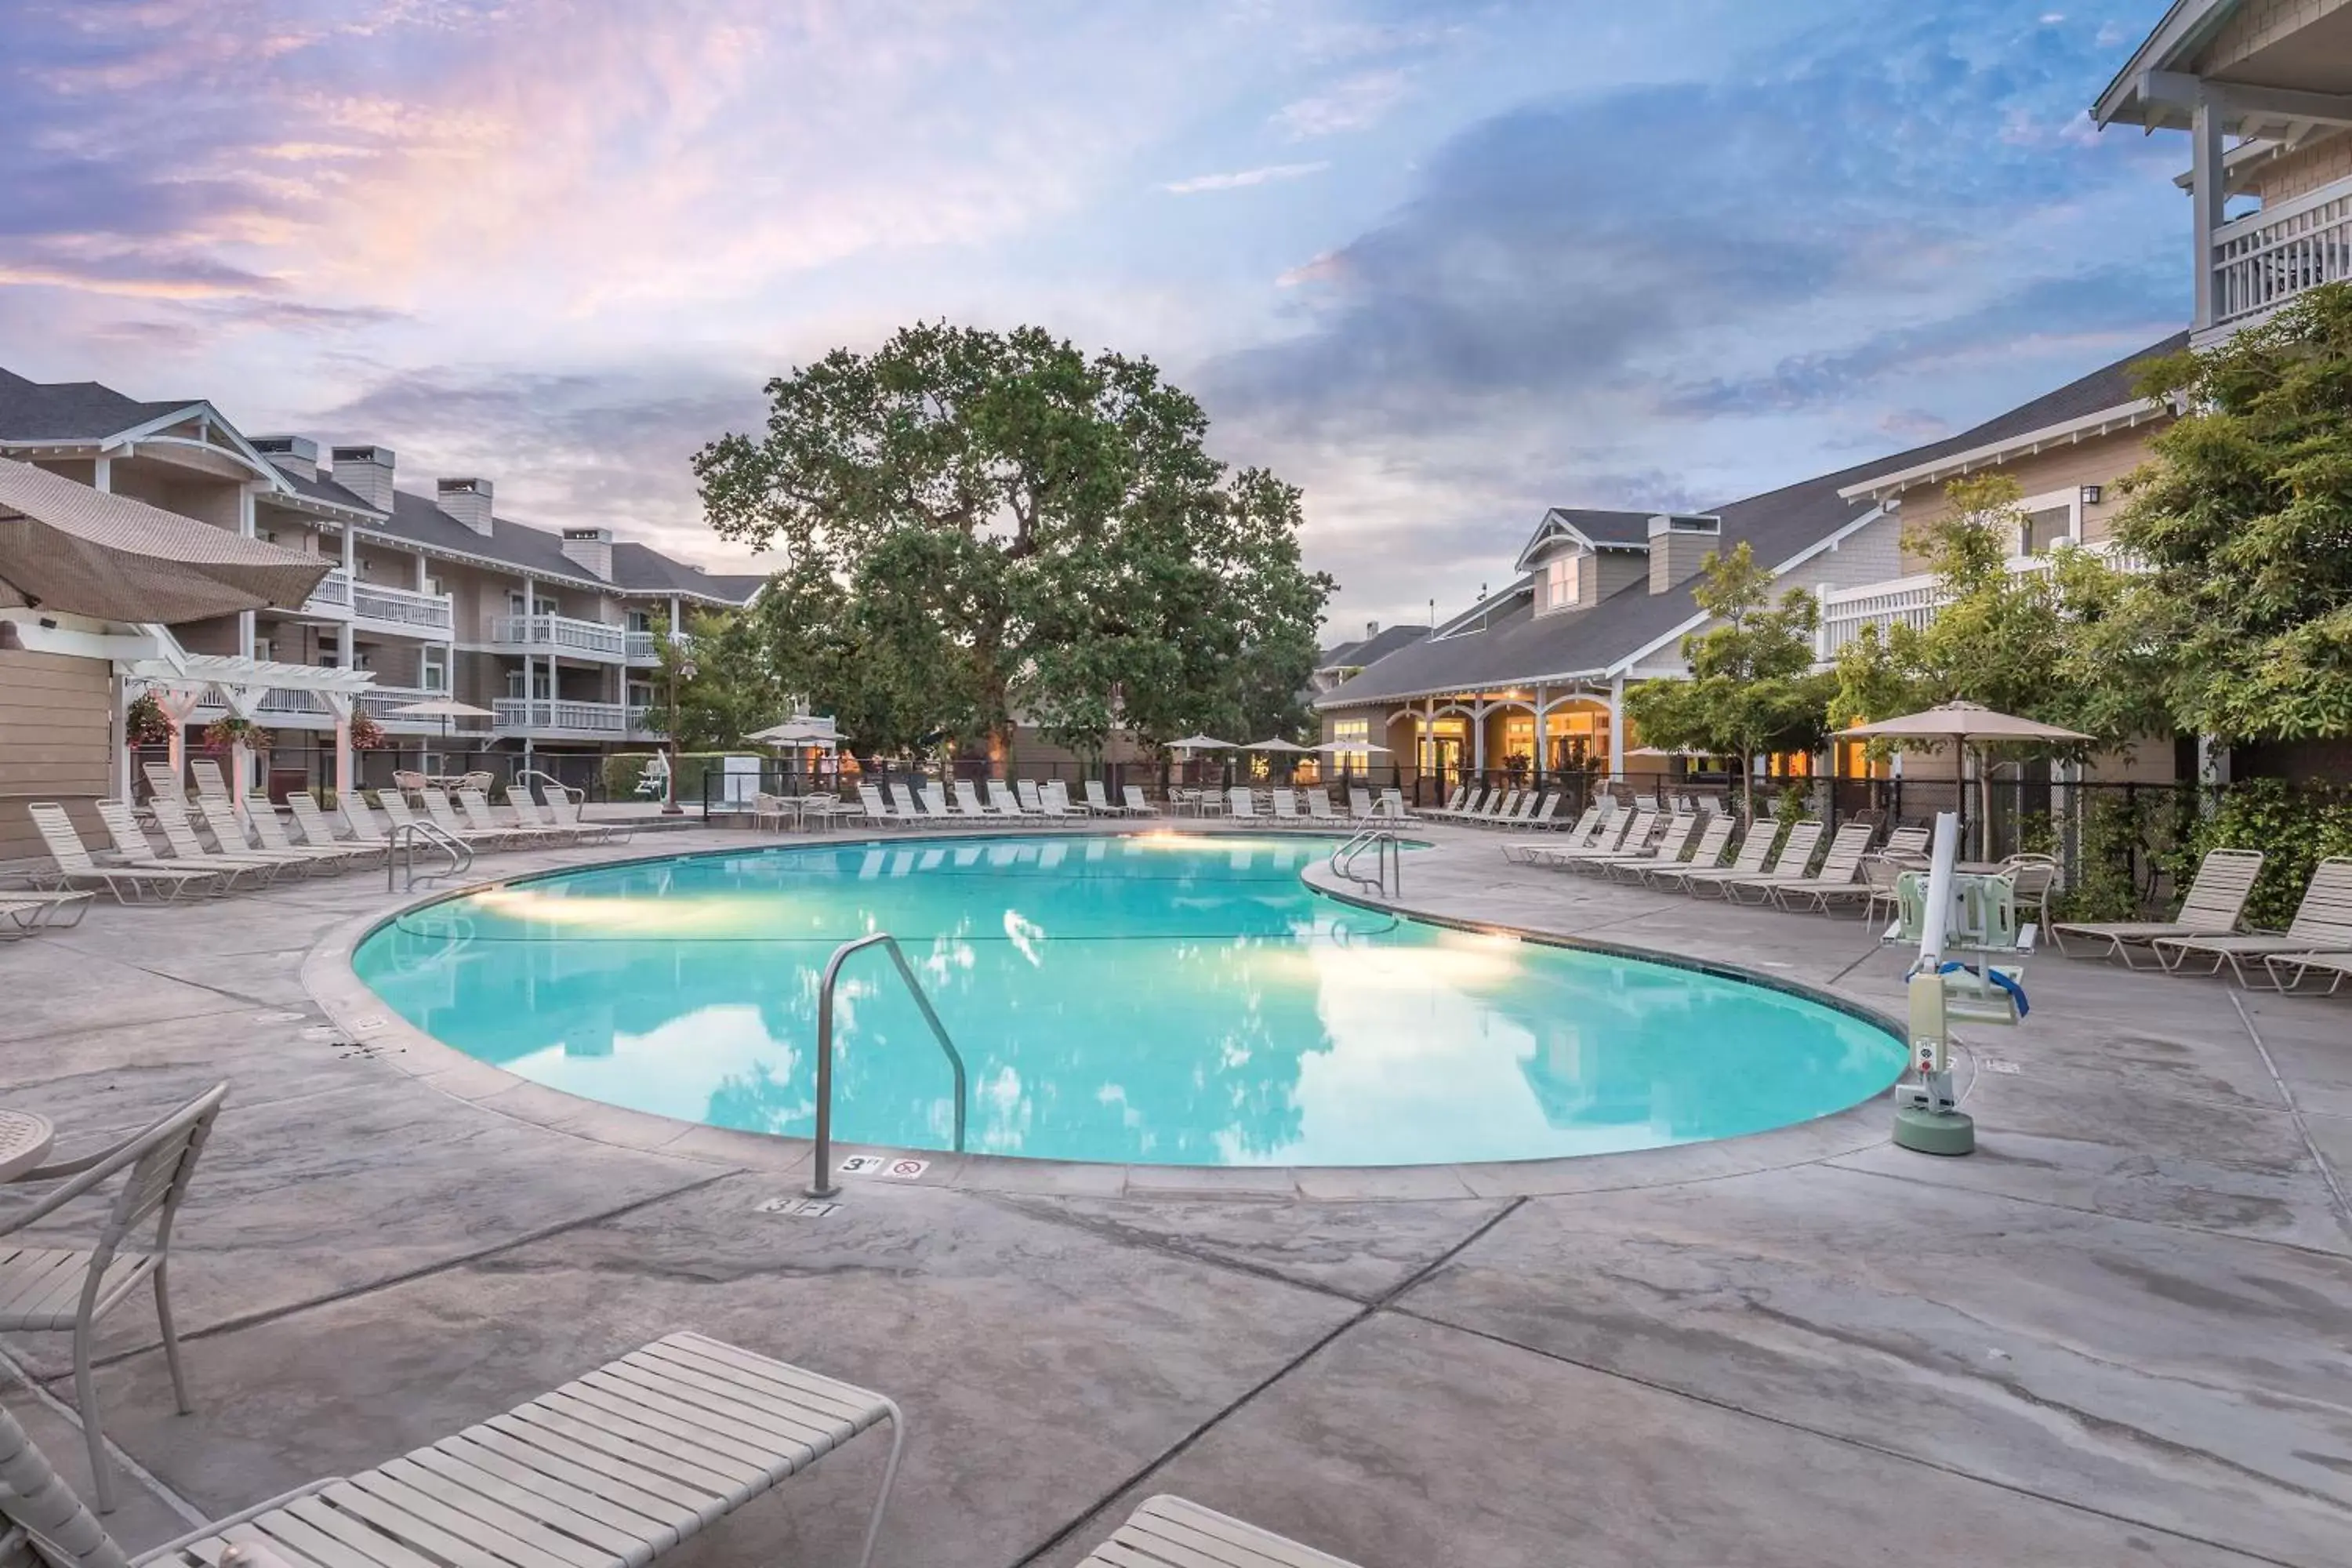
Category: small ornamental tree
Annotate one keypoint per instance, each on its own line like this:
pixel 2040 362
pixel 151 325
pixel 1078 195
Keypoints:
pixel 1752 688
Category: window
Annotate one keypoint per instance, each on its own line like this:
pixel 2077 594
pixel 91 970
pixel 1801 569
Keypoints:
pixel 641 620
pixel 1563 584
pixel 2050 521
pixel 433 669
pixel 262 649
pixel 1356 734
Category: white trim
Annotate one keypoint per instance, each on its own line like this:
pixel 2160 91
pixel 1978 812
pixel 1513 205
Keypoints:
pixel 2122 416
pixel 76 637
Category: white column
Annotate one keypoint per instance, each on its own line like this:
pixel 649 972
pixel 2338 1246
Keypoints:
pixel 1543 730
pixel 677 623
pixel 121 740
pixel 339 703
pixel 1477 737
pixel 1617 728
pixel 101 474
pixel 2207 193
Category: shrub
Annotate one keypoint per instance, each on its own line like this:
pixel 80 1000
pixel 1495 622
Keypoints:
pixel 2294 826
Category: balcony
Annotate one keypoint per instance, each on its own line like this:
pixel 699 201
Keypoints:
pixel 375 608
pixel 2264 259
pixel 1914 600
pixel 282 710
pixel 560 634
pixel 378 704
pixel 561 719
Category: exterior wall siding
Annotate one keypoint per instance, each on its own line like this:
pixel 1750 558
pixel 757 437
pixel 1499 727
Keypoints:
pixel 55 737
pixel 2103 461
pixel 2258 25
pixel 2306 169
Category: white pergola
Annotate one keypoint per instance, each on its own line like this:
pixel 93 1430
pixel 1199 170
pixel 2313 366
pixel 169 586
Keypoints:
pixel 181 681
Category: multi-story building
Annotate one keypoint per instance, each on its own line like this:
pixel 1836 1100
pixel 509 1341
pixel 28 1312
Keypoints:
pixel 551 631
pixel 2264 90
pixel 1531 680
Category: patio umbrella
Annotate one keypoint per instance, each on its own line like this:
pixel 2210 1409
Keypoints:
pixel 67 547
pixel 1291 747
pixel 799 732
pixel 1967 725
pixel 1336 747
pixel 1198 743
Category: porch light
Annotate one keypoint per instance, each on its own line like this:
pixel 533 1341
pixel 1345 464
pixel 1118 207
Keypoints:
pixel 2090 494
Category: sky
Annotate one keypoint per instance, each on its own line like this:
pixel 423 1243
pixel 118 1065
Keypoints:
pixel 1442 265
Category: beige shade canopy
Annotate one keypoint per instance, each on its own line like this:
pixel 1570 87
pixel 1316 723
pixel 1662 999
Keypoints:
pixel 1959 721
pixel 1337 747
pixel 1197 742
pixel 67 547
pixel 441 708
pixel 799 732
pixel 1278 745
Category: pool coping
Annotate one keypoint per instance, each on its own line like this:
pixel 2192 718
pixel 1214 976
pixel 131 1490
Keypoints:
pixel 327 976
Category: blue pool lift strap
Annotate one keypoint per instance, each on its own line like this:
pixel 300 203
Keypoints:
pixel 2006 982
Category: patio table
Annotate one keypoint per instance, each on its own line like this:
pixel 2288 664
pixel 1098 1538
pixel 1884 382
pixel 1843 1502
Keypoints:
pixel 24 1139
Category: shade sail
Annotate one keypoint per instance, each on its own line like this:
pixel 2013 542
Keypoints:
pixel 67 547
pixel 1960 721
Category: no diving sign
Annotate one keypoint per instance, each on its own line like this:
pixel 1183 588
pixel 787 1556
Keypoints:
pixel 892 1167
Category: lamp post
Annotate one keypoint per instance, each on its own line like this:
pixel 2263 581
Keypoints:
pixel 683 668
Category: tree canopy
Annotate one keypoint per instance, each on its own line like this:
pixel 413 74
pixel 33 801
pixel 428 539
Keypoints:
pixel 2243 618
pixel 1752 688
pixel 977 526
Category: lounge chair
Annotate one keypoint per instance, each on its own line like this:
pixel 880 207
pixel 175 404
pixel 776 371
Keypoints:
pixel 22 913
pixel 1880 873
pixel 179 839
pixel 1907 841
pixel 443 816
pixel 480 818
pixel 1749 860
pixel 2337 964
pixel 1393 807
pixel 274 838
pixel 609 1471
pixel 566 807
pixel 76 867
pixel 318 830
pixel 1137 804
pixel 2322 923
pixel 1242 805
pixel 1681 828
pixel 1100 803
pixel 54 1290
pixel 1616 835
pixel 873 807
pixel 968 805
pixel 1546 815
pixel 1005 802
pixel 1834 880
pixel 356 816
pixel 1706 852
pixel 903 809
pixel 235 830
pixel 2215 905
pixel 1318 810
pixel 1032 804
pixel 1284 805
pixel 1795 862
pixel 529 814
pixel 1169 1533
pixel 1579 832
pixel 934 801
pixel 1056 798
pixel 1796 850
pixel 1462 806
pixel 1360 802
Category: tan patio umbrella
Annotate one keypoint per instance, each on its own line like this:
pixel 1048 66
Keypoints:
pixel 67 547
pixel 1966 725
pixel 442 707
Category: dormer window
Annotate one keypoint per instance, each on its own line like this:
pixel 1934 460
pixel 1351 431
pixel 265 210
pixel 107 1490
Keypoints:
pixel 1563 584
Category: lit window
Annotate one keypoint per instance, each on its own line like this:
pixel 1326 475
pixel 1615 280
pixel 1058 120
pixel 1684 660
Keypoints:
pixel 1356 735
pixel 1563 582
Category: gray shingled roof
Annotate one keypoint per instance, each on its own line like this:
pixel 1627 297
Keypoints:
pixel 1369 650
pixel 70 410
pixel 1515 645
pixel 322 488
pixel 1604 527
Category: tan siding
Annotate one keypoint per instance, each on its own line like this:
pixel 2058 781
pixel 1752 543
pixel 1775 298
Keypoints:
pixel 2306 169
pixel 55 741
pixel 2257 26
pixel 2101 461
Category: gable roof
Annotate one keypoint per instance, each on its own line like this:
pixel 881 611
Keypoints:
pixel 1502 642
pixel 72 410
pixel 1371 650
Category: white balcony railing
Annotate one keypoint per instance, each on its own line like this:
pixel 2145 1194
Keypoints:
pixel 331 597
pixel 543 714
pixel 2264 259
pixel 560 633
pixel 378 702
pixel 404 610
pixel 296 710
pixel 1914 600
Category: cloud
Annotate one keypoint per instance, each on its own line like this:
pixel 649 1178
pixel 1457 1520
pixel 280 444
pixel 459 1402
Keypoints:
pixel 1242 178
pixel 1355 104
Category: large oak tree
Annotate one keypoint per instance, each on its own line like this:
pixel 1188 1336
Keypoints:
pixel 980 526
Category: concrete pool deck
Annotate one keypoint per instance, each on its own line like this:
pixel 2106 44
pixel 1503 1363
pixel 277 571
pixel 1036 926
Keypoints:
pixel 2118 1333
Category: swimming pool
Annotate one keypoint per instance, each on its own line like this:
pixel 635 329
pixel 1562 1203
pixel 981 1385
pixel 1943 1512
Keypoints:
pixel 1154 998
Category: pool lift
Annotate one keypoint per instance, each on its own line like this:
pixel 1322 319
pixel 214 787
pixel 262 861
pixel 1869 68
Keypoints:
pixel 1961 924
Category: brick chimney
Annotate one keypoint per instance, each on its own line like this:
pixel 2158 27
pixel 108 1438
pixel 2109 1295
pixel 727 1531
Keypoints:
pixel 468 500
pixel 1678 545
pixel 366 472
pixel 297 454
pixel 591 548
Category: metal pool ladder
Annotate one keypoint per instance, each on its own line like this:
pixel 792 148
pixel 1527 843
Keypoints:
pixel 821 1183
pixel 1388 861
pixel 401 853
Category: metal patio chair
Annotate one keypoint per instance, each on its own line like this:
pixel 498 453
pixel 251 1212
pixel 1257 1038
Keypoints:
pixel 68 1290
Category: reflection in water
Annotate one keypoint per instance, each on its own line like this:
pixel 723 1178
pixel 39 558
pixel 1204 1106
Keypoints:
pixel 1155 998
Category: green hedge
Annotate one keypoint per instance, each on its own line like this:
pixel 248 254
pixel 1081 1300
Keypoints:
pixel 2294 826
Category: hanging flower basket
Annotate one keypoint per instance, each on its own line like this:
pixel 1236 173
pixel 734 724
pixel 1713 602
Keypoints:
pixel 367 735
pixel 145 724
pixel 223 733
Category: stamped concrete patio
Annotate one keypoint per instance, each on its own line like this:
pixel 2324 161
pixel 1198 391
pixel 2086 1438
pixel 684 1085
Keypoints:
pixel 2120 1333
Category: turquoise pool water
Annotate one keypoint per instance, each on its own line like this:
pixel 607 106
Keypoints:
pixel 1157 999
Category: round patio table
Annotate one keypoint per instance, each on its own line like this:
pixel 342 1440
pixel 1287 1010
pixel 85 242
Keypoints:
pixel 25 1141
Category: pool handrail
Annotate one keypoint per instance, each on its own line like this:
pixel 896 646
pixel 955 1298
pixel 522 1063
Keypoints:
pixel 821 1183
pixel 1387 860
pixel 400 853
